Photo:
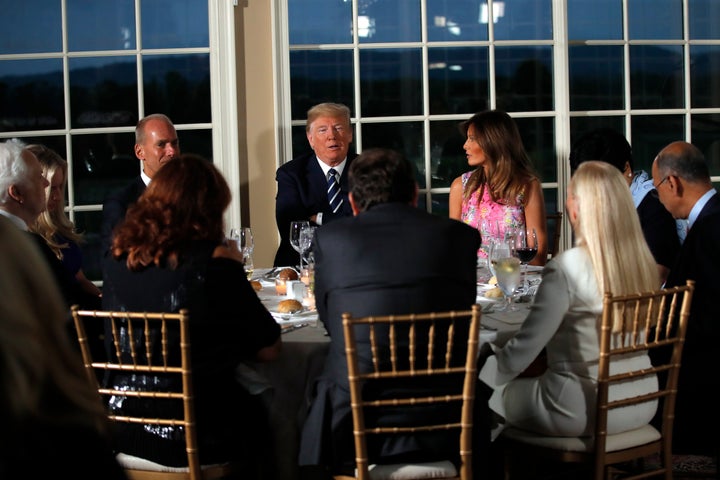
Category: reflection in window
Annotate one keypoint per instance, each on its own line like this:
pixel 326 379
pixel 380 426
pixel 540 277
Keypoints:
pixel 391 82
pixel 650 133
pixel 31 95
pixel 179 86
pixel 656 76
pixel 595 74
pixel 103 91
pixel 593 20
pixel 107 25
pixel 666 22
pixel 524 78
pixel 704 74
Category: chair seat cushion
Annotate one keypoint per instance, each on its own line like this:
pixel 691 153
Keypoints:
pixel 404 471
pixel 618 441
pixel 138 463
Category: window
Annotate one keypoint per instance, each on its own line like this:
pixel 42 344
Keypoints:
pixel 411 70
pixel 76 75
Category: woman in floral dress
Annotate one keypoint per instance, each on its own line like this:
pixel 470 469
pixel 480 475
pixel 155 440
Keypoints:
pixel 503 193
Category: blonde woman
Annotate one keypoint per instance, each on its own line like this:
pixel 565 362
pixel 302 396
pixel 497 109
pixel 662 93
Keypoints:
pixel 53 224
pixel 52 417
pixel 502 192
pixel 610 255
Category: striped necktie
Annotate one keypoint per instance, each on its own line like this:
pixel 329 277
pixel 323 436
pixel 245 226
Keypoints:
pixel 333 191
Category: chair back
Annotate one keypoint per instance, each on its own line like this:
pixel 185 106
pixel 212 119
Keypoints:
pixel 554 228
pixel 148 344
pixel 652 324
pixel 424 348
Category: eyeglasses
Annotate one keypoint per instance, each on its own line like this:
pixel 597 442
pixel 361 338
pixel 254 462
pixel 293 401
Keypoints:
pixel 661 181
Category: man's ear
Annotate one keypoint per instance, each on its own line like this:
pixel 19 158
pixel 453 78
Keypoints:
pixel 139 152
pixel 675 185
pixel 355 208
pixel 14 193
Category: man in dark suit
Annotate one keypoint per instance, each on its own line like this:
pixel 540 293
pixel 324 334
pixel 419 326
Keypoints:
pixel 302 191
pixel 682 179
pixel 156 143
pixel 389 258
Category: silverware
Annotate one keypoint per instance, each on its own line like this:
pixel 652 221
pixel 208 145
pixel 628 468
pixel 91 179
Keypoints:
pixel 290 328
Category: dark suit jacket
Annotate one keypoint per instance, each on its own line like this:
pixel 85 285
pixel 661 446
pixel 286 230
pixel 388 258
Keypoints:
pixel 301 193
pixel 393 258
pixel 659 229
pixel 114 208
pixel 697 417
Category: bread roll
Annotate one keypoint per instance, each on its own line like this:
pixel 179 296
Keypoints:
pixel 494 293
pixel 289 306
pixel 288 274
pixel 257 286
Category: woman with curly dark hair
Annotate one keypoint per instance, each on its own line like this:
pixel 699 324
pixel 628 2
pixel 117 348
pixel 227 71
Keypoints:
pixel 171 253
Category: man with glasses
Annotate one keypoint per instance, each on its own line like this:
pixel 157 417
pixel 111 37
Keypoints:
pixel 682 179
pixel 313 186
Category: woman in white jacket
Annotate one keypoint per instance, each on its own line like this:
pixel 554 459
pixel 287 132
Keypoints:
pixel 610 255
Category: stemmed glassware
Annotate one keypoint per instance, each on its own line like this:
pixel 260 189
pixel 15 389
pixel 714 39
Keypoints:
pixel 244 239
pixel 296 227
pixel 526 248
pixel 506 268
pixel 306 238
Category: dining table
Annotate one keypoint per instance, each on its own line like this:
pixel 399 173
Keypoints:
pixel 286 384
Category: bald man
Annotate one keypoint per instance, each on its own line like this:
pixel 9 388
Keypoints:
pixel 682 179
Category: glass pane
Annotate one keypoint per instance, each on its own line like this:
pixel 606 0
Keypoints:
pixel 458 80
pixel 320 76
pixel 706 136
pixel 102 163
pixel 196 141
pixel 308 26
pixel 650 134
pixel 551 206
pixel 522 19
pixel 174 23
pixel 405 137
pixel 103 92
pixel 656 76
pixel 440 204
pixel 388 21
pixel 524 78
pixel 456 20
pixel 391 82
pixel 595 77
pixel 593 20
pixel 448 158
pixel 704 74
pixel 665 21
pixel 31 95
pixel 538 136
pixel 178 86
pixel 34 28
pixel 106 25
pixel 581 125
pixel 89 224
pixel 703 15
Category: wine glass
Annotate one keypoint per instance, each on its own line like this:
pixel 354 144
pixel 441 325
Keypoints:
pixel 243 237
pixel 526 248
pixel 307 234
pixel 296 227
pixel 507 272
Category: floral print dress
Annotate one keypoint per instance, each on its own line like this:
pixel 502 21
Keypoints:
pixel 491 218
